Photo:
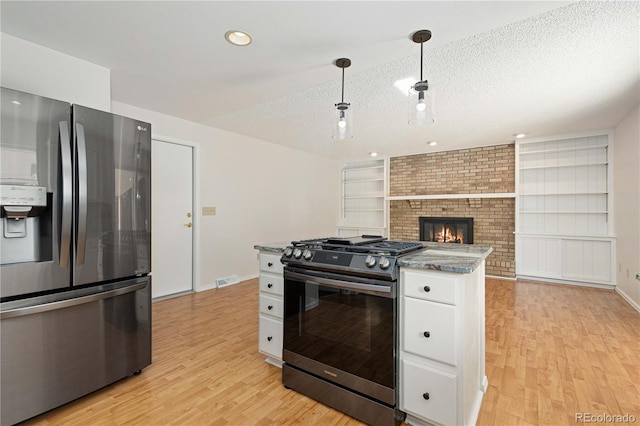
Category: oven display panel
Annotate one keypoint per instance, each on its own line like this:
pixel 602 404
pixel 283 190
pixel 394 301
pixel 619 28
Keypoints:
pixel 333 258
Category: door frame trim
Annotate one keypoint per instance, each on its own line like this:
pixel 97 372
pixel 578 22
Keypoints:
pixel 195 270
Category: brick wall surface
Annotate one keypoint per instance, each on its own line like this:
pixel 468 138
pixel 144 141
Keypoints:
pixel 467 171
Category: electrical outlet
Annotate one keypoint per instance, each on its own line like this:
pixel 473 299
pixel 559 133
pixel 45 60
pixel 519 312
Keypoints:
pixel 208 211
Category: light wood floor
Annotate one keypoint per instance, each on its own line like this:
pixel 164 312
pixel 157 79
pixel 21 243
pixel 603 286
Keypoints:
pixel 552 351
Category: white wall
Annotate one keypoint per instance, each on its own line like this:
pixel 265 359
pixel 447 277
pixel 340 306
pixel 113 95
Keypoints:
pixel 262 193
pixel 31 68
pixel 626 166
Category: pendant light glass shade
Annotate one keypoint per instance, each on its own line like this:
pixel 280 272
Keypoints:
pixel 420 106
pixel 421 94
pixel 343 127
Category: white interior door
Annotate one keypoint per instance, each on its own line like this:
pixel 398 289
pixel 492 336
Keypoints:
pixel 171 218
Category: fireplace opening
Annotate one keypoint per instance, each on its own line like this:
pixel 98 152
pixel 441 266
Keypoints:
pixel 447 229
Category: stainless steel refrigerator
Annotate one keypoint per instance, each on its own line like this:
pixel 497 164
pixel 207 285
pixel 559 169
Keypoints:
pixel 75 252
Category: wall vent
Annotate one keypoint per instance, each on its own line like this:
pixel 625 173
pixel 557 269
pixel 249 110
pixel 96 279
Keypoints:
pixel 223 282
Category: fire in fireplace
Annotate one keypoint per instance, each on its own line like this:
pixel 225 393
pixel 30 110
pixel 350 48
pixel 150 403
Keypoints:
pixel 447 229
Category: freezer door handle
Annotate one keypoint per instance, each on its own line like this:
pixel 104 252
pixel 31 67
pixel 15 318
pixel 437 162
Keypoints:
pixel 66 197
pixel 81 158
pixel 51 306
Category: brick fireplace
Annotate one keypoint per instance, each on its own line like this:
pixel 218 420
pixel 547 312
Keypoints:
pixel 446 177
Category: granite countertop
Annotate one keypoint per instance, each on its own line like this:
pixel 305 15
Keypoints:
pixel 459 258
pixel 277 247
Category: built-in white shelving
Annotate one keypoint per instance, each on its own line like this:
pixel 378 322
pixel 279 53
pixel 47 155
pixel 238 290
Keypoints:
pixel 563 209
pixel 363 204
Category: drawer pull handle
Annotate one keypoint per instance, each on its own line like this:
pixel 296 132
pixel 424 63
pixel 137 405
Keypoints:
pixel 427 334
pixel 269 338
pixel 427 289
pixel 270 307
pixel 270 264
pixel 426 395
pixel 269 285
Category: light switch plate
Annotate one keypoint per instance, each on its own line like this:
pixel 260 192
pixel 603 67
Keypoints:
pixel 208 211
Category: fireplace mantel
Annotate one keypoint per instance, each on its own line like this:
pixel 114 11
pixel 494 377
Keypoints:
pixel 451 196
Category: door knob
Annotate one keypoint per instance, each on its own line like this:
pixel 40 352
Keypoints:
pixel 188 225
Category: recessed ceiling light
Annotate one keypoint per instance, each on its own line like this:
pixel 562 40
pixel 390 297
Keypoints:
pixel 373 154
pixel 238 38
pixel 433 143
pixel 520 135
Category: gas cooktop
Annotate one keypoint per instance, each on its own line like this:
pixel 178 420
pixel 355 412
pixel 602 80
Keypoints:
pixel 360 244
pixel 366 255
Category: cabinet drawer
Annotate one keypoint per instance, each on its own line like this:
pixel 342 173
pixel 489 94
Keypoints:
pixel 270 283
pixel 428 393
pixel 270 305
pixel 435 286
pixel 429 330
pixel 271 263
pixel 270 337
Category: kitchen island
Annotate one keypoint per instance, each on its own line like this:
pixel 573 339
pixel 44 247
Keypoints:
pixel 440 328
pixel 441 319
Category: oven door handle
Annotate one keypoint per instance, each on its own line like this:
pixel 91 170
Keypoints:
pixel 378 290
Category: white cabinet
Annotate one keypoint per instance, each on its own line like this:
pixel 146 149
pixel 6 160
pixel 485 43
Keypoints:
pixel 271 307
pixel 442 373
pixel 564 229
pixel 363 205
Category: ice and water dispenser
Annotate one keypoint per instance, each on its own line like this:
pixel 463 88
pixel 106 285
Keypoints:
pixel 24 211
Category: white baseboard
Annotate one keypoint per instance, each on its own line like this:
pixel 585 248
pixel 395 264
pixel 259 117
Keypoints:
pixel 556 281
pixel 495 277
pixel 629 300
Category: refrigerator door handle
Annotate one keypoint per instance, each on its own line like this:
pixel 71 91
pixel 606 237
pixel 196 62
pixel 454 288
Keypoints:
pixel 67 190
pixel 81 159
pixel 51 306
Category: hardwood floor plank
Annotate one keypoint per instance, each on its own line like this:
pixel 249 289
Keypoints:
pixel 552 351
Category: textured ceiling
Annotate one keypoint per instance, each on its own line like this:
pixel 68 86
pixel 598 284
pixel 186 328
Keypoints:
pixel 496 68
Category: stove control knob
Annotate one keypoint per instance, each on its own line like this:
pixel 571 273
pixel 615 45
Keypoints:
pixel 306 254
pixel 297 253
pixel 384 263
pixel 370 261
pixel 288 252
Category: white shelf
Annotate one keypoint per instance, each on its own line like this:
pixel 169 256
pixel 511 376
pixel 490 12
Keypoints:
pixel 569 149
pixel 557 166
pixel 561 212
pixel 353 169
pixel 354 197
pixel 545 194
pixel 348 181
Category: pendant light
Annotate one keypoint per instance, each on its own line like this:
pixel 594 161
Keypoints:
pixel 420 95
pixel 343 127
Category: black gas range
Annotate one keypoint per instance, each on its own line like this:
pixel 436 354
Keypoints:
pixel 340 324
pixel 366 255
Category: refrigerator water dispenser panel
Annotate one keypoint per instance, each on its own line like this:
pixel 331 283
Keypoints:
pixel 22 196
pixel 19 206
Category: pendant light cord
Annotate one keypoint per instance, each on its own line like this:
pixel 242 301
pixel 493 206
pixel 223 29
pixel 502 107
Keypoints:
pixel 421 43
pixel 342 85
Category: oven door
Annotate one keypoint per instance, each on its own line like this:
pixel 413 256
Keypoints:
pixel 342 329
